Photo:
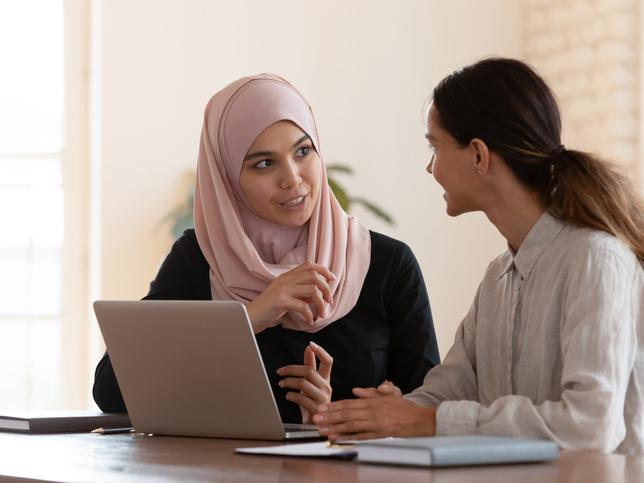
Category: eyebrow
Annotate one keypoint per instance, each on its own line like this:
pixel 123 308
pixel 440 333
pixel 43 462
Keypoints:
pixel 430 138
pixel 259 154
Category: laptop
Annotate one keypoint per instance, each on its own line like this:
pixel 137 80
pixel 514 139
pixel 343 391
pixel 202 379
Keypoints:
pixel 192 368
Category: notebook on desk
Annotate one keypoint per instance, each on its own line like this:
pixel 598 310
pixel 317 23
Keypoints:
pixel 192 368
pixel 455 450
pixel 42 422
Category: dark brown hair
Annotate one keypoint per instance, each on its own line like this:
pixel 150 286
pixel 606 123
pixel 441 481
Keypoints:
pixel 509 106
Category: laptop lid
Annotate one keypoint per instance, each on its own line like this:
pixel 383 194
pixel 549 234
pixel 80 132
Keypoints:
pixel 190 368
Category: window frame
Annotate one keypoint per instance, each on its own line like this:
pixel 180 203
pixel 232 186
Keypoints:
pixel 75 319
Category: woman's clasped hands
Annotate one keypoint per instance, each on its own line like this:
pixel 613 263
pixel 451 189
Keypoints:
pixel 377 413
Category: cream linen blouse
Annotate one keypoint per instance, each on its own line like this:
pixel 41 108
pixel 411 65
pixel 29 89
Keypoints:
pixel 552 347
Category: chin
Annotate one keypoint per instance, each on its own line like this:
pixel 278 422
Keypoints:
pixel 451 211
pixel 459 210
pixel 294 221
pixel 294 224
pixel 454 210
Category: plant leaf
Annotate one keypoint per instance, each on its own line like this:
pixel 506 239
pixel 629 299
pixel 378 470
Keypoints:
pixel 340 168
pixel 340 194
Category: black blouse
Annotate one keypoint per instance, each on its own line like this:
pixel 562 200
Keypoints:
pixel 389 334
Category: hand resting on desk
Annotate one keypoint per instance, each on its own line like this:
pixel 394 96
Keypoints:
pixel 379 412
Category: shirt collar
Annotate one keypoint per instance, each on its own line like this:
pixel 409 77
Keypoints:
pixel 542 233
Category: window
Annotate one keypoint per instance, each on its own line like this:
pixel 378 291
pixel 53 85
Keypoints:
pixel 34 155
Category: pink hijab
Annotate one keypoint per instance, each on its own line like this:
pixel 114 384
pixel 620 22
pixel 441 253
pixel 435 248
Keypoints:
pixel 246 252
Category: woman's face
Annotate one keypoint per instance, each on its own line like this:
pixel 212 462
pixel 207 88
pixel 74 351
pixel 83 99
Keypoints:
pixel 453 168
pixel 281 175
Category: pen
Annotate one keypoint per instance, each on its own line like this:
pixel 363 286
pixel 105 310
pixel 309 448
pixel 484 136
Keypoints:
pixel 340 445
pixel 111 430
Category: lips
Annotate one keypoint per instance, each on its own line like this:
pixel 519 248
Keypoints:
pixel 294 202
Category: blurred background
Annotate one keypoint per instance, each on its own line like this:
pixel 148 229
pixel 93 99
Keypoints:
pixel 101 107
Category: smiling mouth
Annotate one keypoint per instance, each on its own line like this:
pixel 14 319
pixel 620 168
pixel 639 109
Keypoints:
pixel 294 202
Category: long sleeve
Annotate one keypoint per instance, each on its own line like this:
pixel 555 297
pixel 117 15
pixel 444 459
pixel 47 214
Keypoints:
pixel 413 349
pixel 455 378
pixel 552 347
pixel 106 392
pixel 598 345
pixel 388 334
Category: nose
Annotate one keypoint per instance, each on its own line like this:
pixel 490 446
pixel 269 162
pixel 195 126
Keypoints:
pixel 290 175
pixel 430 165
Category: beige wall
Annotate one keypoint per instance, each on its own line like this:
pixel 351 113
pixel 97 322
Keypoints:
pixel 365 66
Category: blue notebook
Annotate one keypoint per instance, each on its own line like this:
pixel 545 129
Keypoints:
pixel 455 450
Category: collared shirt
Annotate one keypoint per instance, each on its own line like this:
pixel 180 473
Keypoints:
pixel 552 347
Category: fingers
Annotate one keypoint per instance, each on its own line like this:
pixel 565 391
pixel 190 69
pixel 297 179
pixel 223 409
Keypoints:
pixel 309 358
pixel 314 388
pixel 326 361
pixel 322 285
pixel 352 423
pixel 336 407
pixel 314 281
pixel 293 291
pixel 304 373
pixel 348 427
pixel 388 388
pixel 350 430
pixel 310 266
pixel 366 392
pixel 288 303
pixel 303 401
pixel 354 419
pixel 306 388
pixel 326 419
pixel 310 293
pixel 312 274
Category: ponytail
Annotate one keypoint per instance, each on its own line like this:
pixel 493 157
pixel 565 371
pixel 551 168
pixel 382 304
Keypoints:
pixel 590 192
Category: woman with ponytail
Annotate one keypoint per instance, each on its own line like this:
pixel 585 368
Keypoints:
pixel 553 345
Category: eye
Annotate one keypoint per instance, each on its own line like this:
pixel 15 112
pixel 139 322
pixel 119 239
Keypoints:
pixel 263 164
pixel 303 151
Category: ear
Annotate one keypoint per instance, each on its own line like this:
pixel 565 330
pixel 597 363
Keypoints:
pixel 481 159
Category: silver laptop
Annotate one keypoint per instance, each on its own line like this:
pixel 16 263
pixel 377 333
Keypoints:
pixel 192 368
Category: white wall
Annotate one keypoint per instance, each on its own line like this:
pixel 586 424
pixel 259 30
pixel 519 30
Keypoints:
pixel 365 66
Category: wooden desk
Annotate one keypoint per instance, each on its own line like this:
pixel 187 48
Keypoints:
pixel 88 457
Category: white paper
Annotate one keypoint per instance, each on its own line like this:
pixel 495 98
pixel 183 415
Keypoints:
pixel 316 449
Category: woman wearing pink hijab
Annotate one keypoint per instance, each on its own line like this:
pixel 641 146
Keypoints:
pixel 270 234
